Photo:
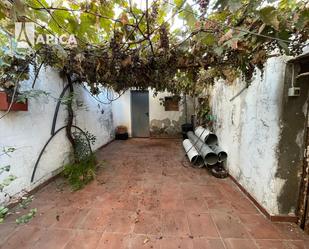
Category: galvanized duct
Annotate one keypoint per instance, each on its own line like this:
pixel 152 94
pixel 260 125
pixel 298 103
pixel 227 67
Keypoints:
pixel 192 154
pixel 220 152
pixel 206 135
pixel 208 155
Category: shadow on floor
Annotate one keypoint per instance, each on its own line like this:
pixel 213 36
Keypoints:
pixel 145 197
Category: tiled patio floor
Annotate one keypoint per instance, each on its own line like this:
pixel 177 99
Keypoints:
pixel 145 197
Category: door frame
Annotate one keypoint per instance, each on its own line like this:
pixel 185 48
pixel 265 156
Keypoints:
pixel 131 116
pixel 302 212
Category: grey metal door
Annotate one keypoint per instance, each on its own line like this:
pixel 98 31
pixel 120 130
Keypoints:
pixel 140 113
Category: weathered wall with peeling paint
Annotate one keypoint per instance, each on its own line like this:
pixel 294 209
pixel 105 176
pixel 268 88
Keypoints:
pixel 29 131
pixel 122 111
pixel 249 129
pixel 167 123
pixel 161 123
pixel 293 135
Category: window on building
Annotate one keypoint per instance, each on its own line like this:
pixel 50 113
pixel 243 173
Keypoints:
pixel 171 103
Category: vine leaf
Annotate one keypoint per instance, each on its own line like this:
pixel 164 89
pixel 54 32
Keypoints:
pixel 179 3
pixel 124 19
pixel 269 15
pixel 188 16
pixel 234 5
pixel 227 36
pixel 302 19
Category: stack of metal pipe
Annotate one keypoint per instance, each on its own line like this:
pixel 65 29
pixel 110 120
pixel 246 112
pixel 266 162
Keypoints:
pixel 202 148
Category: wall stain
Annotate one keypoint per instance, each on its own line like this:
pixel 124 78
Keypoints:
pixel 167 127
pixel 291 146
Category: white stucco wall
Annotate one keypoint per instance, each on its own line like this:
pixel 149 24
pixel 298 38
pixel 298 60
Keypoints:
pixel 157 110
pixel 29 131
pixel 248 128
pixel 122 110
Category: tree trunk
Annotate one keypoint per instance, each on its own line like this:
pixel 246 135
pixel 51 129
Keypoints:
pixel 71 117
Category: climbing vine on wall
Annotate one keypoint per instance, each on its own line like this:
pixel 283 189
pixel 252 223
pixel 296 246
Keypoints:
pixel 175 45
pixel 139 48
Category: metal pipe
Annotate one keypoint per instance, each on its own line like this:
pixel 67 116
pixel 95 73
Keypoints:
pixel 220 152
pixel 203 149
pixel 206 135
pixel 192 154
pixel 302 74
pixel 49 140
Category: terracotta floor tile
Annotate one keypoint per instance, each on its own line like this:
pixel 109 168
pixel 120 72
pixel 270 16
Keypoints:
pixel 290 231
pixel 259 227
pixel 108 201
pixel 208 191
pixel 203 243
pixel 280 244
pixel 205 178
pixel 187 191
pixel 218 205
pixel 24 237
pixel 69 217
pixel 121 222
pixel 171 171
pixel 229 226
pixel 114 241
pixel 96 219
pixel 6 229
pixel 150 202
pixel 115 187
pixel 45 218
pixel 143 192
pixel 151 188
pixel 135 187
pixel 82 199
pixel 145 242
pixel 171 202
pixel 175 223
pixel 244 206
pixel 230 191
pixel 168 189
pixel 176 243
pixel 83 239
pixel 148 223
pixel 240 244
pixel 170 179
pixel 202 225
pixel 127 202
pixel 306 243
pixel 186 178
pixel 195 205
pixel 54 238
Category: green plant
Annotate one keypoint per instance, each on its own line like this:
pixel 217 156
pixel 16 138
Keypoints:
pixel 82 170
pixel 7 151
pixel 204 115
pixel 83 142
pixel 3 213
pixel 5 169
pixel 81 173
pixel 34 94
pixel 26 217
pixel 121 45
pixel 7 180
pixel 26 202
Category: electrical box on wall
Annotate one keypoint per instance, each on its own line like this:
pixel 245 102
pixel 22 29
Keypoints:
pixel 294 91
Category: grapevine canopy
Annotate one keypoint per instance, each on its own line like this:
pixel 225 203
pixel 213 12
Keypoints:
pixel 163 44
